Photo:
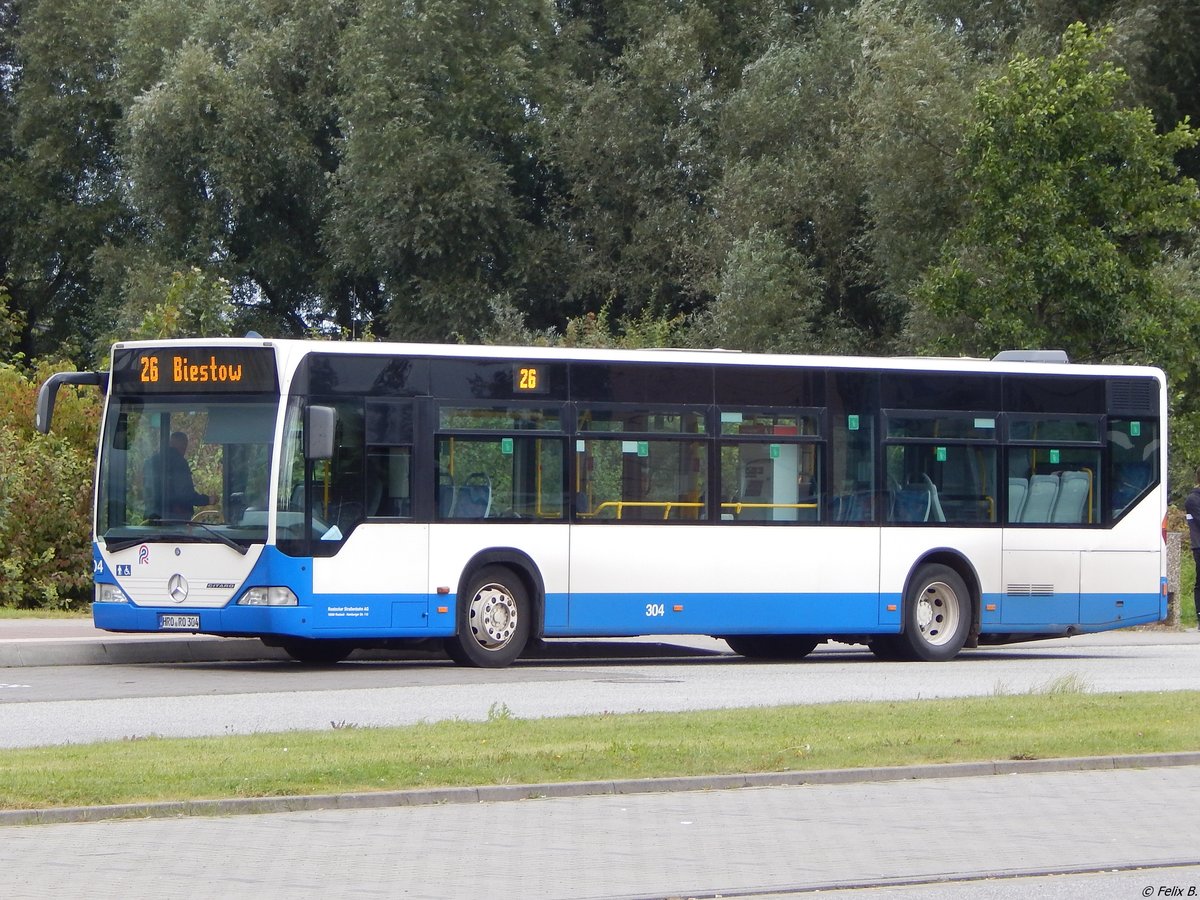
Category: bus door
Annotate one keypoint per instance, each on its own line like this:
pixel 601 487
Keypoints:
pixel 371 554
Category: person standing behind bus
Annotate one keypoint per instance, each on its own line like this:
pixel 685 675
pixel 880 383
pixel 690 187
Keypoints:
pixel 1191 507
pixel 170 491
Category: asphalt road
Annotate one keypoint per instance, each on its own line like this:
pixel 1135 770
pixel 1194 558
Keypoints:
pixel 74 704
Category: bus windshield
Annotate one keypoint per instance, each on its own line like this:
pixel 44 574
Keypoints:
pixel 185 467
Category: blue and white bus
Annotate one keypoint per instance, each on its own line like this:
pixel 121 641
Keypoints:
pixel 347 495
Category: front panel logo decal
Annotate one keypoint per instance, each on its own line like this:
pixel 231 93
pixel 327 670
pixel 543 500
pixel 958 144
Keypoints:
pixel 177 587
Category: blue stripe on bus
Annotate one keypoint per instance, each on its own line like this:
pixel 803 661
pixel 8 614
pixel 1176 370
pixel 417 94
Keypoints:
pixel 1082 613
pixel 677 613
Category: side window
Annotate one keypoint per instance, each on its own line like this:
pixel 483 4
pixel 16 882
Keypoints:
pixel 853 410
pixel 501 462
pixel 640 463
pixel 1054 472
pixel 1133 461
pixel 852 459
pixel 770 466
pixel 941 467
pixel 338 490
pixel 641 479
pixel 942 482
pixel 507 477
pixel 389 434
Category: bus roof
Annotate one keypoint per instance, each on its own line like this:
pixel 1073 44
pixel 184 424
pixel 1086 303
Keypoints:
pixel 1022 361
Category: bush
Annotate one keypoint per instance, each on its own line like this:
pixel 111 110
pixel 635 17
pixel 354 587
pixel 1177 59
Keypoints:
pixel 45 492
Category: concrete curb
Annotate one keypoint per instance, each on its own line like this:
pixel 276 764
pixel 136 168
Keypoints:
pixel 122 650
pixel 509 793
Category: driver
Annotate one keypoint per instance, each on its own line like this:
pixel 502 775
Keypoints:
pixel 170 491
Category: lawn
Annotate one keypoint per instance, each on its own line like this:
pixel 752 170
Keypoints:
pixel 1058 721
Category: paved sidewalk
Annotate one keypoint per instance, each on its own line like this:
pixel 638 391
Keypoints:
pixel 723 842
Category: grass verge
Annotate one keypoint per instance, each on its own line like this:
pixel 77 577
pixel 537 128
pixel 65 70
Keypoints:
pixel 8 612
pixel 1058 721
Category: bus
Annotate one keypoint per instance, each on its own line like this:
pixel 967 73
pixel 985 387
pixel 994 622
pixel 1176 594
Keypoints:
pixel 336 495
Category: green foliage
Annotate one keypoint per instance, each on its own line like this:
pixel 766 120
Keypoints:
pixel 769 299
pixel 11 324
pixel 1073 202
pixel 45 493
pixel 60 182
pixel 194 304
pixel 597 330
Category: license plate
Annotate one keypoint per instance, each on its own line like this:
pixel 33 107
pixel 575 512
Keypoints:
pixel 185 623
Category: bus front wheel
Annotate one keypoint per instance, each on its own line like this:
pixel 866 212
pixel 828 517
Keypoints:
pixel 493 620
pixel 937 615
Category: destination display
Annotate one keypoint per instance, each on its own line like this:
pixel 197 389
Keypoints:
pixel 194 370
pixel 528 379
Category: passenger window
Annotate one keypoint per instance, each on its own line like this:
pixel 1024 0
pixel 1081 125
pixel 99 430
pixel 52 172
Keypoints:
pixel 1053 485
pixel 500 478
pixel 1133 455
pixel 942 482
pixel 641 480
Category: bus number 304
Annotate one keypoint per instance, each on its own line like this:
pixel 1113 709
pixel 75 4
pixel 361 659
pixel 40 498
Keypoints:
pixel 656 609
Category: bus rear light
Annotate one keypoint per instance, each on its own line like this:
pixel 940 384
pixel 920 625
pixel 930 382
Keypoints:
pixel 268 596
pixel 110 593
pixel 1164 529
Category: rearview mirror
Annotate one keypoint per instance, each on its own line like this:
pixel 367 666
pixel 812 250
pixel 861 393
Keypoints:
pixel 319 428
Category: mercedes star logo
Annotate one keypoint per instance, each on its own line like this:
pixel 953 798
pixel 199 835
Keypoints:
pixel 178 588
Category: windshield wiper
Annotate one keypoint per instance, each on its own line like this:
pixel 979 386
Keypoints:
pixel 113 545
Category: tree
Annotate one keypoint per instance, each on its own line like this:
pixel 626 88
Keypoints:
pixel 231 138
pixel 60 191
pixel 436 194
pixel 1073 201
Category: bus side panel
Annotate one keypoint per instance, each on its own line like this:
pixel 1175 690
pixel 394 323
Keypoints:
pixel 452 546
pixel 903 548
pixel 1119 589
pixel 647 579
pixel 1091 578
pixel 377 585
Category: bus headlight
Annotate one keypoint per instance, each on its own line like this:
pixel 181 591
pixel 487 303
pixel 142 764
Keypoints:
pixel 268 596
pixel 110 593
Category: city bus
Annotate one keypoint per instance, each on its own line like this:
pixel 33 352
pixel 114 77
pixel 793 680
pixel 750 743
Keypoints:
pixel 340 495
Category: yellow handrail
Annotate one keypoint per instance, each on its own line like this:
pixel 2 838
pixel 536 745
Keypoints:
pixel 667 506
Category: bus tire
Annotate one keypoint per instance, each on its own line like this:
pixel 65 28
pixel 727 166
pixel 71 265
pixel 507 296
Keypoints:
pixel 493 620
pixel 937 614
pixel 772 646
pixel 316 652
pixel 887 647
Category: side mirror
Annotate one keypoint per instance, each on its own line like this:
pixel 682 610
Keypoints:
pixel 49 390
pixel 319 428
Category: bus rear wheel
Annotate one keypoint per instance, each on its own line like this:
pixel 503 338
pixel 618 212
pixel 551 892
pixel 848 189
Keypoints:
pixel 493 622
pixel 772 646
pixel 937 615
